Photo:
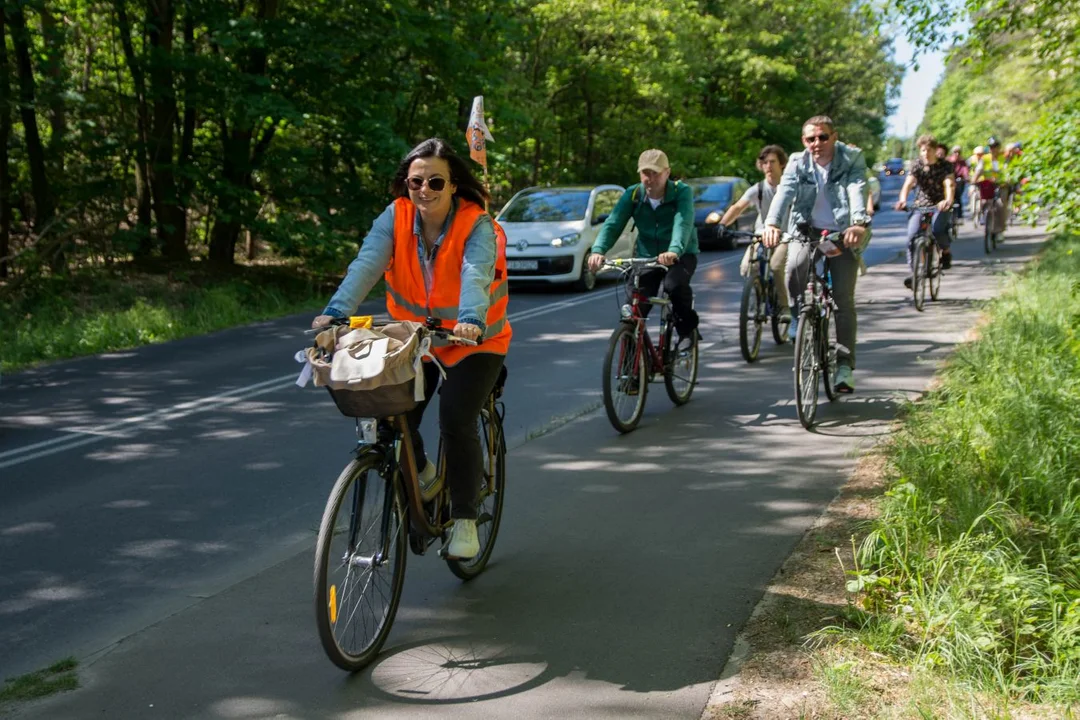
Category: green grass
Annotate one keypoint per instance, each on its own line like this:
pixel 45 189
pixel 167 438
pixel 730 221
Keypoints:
pixel 56 678
pixel 107 310
pixel 973 569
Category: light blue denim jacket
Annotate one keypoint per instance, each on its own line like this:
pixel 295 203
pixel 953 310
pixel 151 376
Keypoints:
pixel 846 189
pixel 477 267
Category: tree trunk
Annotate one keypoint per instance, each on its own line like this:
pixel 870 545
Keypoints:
pixel 187 131
pixel 170 216
pixel 142 171
pixel 53 36
pixel 5 168
pixel 35 152
pixel 234 207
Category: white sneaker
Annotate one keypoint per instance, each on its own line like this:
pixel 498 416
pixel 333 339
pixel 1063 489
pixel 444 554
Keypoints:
pixel 464 545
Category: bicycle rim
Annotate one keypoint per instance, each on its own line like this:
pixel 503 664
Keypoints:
pixel 626 379
pixel 680 371
pixel 987 235
pixel 490 504
pixel 751 318
pixel 806 371
pixel 359 564
pixel 918 275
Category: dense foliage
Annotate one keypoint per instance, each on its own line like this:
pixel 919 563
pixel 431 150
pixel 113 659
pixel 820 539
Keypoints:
pixel 181 128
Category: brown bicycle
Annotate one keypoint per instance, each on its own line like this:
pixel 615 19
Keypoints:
pixel 376 508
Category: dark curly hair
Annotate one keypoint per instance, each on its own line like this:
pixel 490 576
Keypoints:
pixel 468 187
pixel 776 150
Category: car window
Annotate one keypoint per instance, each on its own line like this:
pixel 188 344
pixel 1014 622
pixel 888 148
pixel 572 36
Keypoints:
pixel 546 205
pixel 718 193
pixel 605 203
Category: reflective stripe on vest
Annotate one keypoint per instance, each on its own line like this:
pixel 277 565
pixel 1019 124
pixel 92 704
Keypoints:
pixel 407 297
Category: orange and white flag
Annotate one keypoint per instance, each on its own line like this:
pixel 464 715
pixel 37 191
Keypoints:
pixel 477 133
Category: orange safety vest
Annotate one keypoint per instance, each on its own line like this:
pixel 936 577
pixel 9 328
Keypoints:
pixel 406 293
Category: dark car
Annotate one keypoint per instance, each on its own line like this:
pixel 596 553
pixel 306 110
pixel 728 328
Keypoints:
pixel 894 166
pixel 712 196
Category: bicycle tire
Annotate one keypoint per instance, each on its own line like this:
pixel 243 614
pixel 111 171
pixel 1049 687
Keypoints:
pixel 753 301
pixel 806 371
pixel 690 377
pixel 624 348
pixel 488 517
pixel 988 236
pixel 827 354
pixel 355 477
pixel 918 273
pixel 934 271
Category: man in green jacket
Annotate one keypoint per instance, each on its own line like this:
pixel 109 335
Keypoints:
pixel 663 212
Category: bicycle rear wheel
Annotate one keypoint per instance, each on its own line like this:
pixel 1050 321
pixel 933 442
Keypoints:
pixel 680 365
pixel 918 273
pixel 781 318
pixel 806 369
pixel 490 505
pixel 359 563
pixel 751 317
pixel 933 269
pixel 626 378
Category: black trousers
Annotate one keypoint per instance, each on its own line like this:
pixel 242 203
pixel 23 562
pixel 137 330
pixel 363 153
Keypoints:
pixel 466 387
pixel 676 283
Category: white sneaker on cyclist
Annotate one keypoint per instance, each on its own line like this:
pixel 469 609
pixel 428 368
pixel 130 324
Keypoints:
pixel 464 544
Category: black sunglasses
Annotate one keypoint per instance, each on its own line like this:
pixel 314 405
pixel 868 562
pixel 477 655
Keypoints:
pixel 435 183
pixel 820 138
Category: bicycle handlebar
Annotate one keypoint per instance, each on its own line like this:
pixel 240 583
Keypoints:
pixel 442 337
pixel 626 264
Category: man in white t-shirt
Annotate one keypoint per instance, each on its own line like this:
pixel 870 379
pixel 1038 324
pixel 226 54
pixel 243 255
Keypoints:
pixel 771 161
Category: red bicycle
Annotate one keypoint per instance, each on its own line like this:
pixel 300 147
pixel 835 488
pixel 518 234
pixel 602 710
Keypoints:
pixel 633 361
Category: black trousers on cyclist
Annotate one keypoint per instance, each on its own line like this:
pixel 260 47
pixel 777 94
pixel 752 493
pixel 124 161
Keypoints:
pixel 676 283
pixel 461 397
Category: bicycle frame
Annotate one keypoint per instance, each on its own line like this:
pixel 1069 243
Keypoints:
pixel 637 298
pixel 763 258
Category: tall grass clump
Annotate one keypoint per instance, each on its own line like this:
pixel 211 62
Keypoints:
pixel 977 550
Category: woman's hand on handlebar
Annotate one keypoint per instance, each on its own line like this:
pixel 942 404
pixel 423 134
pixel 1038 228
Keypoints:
pixel 321 321
pixel 468 331
pixel 901 204
pixel 770 236
pixel 595 261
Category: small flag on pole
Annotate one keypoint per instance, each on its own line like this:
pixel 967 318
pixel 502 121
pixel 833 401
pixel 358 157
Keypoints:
pixel 477 134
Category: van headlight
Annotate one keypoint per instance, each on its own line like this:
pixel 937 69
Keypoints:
pixel 566 240
pixel 712 218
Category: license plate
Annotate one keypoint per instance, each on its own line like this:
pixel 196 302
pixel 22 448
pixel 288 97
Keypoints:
pixel 522 264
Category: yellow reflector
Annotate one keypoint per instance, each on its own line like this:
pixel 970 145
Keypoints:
pixel 360 321
pixel 333 604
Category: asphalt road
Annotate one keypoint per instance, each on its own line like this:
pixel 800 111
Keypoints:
pixel 159 506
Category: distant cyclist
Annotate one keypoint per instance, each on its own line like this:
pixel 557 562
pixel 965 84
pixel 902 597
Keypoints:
pixel 989 175
pixel 663 212
pixel 771 161
pixel 825 187
pixel 935 189
pixel 960 174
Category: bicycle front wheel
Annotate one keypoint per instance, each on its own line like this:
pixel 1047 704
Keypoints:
pixel 918 273
pixel 490 505
pixel 806 369
pixel 988 235
pixel 626 378
pixel 751 318
pixel 681 365
pixel 359 563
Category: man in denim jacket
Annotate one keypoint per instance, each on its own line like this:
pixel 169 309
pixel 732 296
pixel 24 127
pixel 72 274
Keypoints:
pixel 824 187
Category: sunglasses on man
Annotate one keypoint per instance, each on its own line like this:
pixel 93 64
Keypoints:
pixel 436 183
pixel 820 138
